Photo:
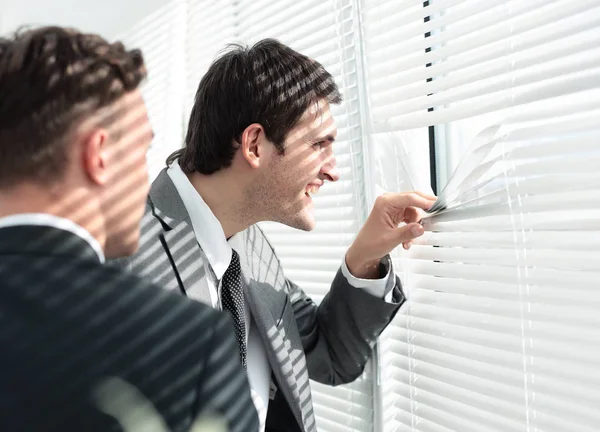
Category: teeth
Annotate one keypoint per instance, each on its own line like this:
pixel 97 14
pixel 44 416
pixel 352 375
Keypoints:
pixel 313 190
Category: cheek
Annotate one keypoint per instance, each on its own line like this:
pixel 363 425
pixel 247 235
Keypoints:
pixel 142 171
pixel 295 173
pixel 309 165
pixel 132 172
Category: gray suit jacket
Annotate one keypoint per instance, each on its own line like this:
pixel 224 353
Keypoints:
pixel 329 343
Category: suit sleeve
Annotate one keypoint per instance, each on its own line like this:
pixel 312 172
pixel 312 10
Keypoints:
pixel 339 334
pixel 223 389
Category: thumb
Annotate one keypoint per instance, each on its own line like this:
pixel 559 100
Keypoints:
pixel 409 232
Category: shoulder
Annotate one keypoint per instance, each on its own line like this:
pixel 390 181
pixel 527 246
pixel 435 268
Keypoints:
pixel 107 304
pixel 157 318
pixel 126 283
pixel 135 300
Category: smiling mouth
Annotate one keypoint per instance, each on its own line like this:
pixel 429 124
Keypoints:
pixel 311 191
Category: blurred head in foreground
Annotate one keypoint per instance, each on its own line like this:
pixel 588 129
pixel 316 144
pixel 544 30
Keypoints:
pixel 74 132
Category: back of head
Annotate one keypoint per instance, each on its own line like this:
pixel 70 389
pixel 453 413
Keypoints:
pixel 74 132
pixel 51 79
pixel 268 83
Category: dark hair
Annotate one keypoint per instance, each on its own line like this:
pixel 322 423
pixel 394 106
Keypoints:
pixel 269 83
pixel 50 79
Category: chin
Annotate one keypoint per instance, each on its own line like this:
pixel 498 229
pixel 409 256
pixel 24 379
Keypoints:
pixel 303 221
pixel 131 248
pixel 124 247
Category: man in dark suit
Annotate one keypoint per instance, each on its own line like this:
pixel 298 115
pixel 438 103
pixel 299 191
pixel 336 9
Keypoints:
pixel 259 144
pixel 74 133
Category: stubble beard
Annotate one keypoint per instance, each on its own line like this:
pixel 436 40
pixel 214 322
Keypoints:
pixel 270 202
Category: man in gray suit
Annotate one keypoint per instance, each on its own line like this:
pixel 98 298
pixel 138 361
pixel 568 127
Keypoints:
pixel 259 145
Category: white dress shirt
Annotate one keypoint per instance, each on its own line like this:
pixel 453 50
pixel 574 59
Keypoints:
pixel 43 219
pixel 211 238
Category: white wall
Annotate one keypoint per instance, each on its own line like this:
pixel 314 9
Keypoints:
pixel 2 15
pixel 109 17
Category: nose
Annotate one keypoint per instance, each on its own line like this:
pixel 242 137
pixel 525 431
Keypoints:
pixel 329 169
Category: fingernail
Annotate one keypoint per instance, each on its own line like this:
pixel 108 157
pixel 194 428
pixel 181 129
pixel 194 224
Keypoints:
pixel 417 230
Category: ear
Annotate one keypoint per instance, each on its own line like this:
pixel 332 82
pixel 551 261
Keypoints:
pixel 252 145
pixel 95 156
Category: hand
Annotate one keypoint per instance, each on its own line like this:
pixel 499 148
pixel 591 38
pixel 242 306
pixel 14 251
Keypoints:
pixel 393 221
pixel 135 413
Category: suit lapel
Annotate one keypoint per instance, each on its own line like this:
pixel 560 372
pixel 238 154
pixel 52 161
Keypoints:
pixel 274 339
pixel 186 258
pixel 267 301
pixel 179 239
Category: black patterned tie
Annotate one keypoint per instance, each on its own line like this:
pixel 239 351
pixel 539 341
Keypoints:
pixel 232 298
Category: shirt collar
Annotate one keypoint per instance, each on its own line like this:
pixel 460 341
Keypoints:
pixel 43 219
pixel 207 228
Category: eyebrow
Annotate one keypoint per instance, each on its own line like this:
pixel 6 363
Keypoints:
pixel 329 138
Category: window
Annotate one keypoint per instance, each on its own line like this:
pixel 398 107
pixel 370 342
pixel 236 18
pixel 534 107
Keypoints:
pixel 500 332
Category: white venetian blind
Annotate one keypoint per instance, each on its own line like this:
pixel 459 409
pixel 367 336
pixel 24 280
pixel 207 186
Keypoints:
pixel 501 331
pixel 322 30
pixel 161 37
pixel 210 26
pixel 485 56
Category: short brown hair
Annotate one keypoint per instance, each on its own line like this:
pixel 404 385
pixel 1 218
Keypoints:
pixel 51 78
pixel 268 83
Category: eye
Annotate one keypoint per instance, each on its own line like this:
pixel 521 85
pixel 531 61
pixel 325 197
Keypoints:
pixel 319 145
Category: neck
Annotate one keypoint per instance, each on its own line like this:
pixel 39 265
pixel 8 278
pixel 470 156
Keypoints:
pixel 226 199
pixel 73 205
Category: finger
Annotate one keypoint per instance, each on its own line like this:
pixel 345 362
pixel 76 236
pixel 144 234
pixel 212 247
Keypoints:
pixel 427 196
pixel 411 199
pixel 412 214
pixel 409 232
pixel 407 245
